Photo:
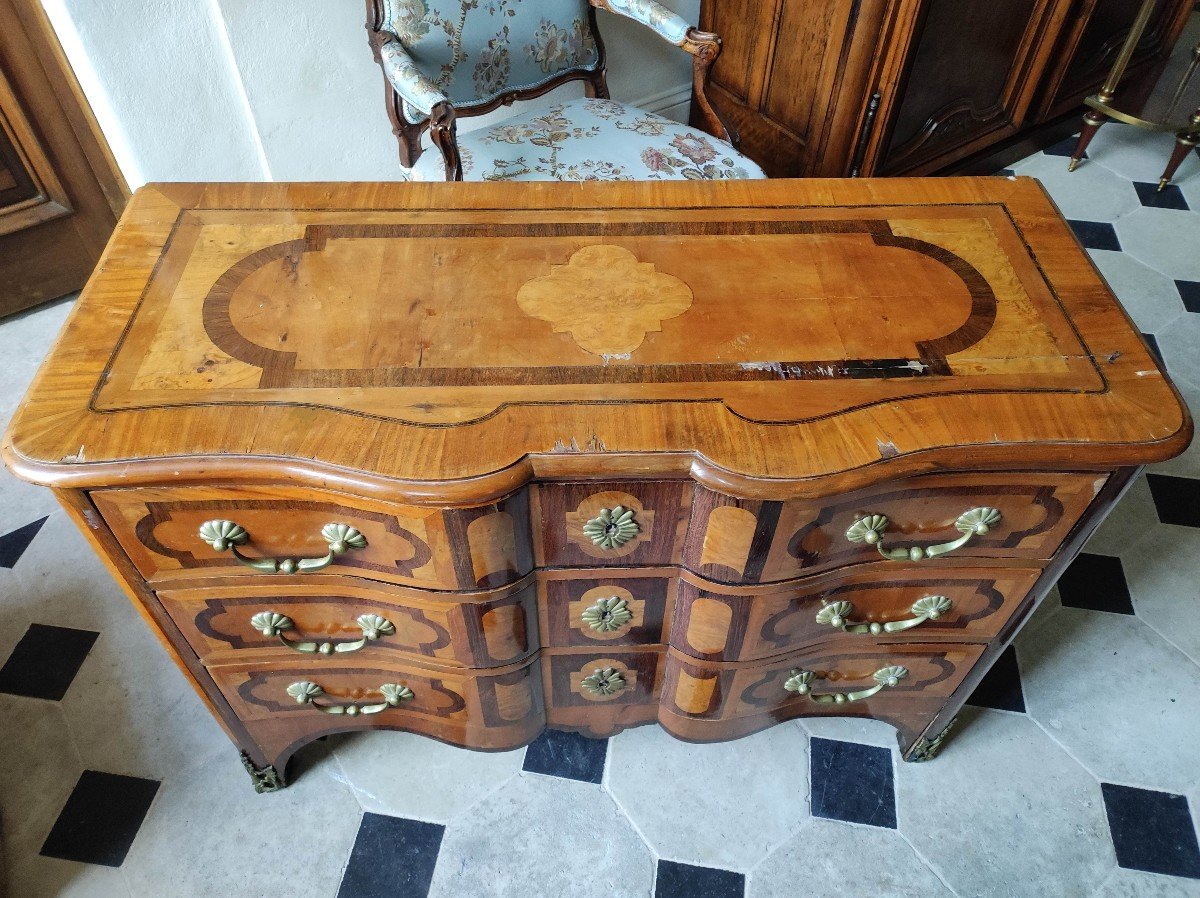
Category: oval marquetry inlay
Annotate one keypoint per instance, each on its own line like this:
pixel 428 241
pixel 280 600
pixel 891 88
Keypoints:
pixel 708 626
pixel 728 537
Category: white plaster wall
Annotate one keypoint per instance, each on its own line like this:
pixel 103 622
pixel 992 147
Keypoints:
pixel 231 90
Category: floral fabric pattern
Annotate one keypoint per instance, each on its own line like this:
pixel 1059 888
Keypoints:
pixel 473 50
pixel 653 15
pixel 590 140
pixel 417 91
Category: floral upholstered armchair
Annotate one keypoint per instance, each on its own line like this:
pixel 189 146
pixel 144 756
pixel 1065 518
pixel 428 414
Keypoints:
pixel 447 58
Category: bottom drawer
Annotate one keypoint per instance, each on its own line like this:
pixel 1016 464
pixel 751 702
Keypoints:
pixel 705 701
pixel 501 708
pixel 602 693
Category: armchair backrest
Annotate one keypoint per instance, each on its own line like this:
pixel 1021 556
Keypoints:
pixel 479 50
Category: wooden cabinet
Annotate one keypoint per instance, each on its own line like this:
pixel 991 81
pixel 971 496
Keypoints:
pixel 834 478
pixel 60 190
pixel 912 87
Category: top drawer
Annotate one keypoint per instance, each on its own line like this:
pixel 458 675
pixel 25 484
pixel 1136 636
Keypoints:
pixel 739 541
pixel 437 548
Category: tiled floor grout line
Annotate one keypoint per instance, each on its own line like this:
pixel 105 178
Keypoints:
pixel 932 867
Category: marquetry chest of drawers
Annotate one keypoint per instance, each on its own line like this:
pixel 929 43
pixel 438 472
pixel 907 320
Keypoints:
pixel 476 460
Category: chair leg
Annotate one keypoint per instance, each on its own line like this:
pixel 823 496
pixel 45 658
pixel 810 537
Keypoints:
pixel 1092 120
pixel 1184 141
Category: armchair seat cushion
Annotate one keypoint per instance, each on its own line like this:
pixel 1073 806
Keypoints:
pixel 589 140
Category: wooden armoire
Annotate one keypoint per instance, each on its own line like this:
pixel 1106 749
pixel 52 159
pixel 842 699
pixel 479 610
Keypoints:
pixel 915 87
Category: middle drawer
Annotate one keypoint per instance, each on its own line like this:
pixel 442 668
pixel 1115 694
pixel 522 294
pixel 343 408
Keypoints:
pixel 343 616
pixel 878 604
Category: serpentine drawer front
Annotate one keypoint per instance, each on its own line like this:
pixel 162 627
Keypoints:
pixel 475 460
pixel 488 629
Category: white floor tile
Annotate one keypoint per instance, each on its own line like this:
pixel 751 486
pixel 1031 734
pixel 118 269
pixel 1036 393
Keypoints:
pixel 1149 297
pixel 1101 683
pixel 543 835
pixel 1163 575
pixel 404 775
pixel 1090 193
pixel 827 859
pixel 1180 345
pixel 741 798
pixel 210 834
pixel 1164 239
pixel 1003 812
pixel 1136 884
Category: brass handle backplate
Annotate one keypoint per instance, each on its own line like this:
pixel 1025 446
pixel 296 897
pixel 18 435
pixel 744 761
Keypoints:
pixel 226 536
pixel 305 692
pixel 272 623
pixel 870 528
pixel 926 608
pixel 800 682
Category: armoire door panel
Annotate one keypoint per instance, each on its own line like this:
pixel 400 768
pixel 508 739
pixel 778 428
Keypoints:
pixel 969 74
pixel 810 38
pixel 747 31
pixel 30 192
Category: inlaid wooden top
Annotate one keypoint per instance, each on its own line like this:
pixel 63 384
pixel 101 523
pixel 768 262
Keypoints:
pixel 758 334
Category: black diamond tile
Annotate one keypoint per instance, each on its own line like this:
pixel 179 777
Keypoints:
pixel 852 782
pixel 100 819
pixel 1152 831
pixel 1152 343
pixel 14 544
pixel 568 755
pixel 1065 147
pixel 1097 583
pixel 1170 197
pixel 1004 173
pixel 392 858
pixel 1096 234
pixel 1177 499
pixel 685 881
pixel 45 661
pixel 1189 292
pixel 1001 686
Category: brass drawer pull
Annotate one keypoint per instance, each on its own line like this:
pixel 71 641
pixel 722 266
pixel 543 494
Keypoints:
pixel 612 528
pixel 606 681
pixel 227 536
pixel 305 691
pixel 870 528
pixel 607 615
pixel 926 608
pixel 272 623
pixel 800 682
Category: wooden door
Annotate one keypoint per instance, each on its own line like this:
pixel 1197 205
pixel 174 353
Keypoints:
pixel 1095 32
pixel 790 76
pixel 60 191
pixel 958 75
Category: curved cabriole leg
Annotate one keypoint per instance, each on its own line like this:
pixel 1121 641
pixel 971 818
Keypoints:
pixel 264 779
pixel 1092 120
pixel 925 749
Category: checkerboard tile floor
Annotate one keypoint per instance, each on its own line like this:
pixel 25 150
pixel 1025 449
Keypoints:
pixel 1075 773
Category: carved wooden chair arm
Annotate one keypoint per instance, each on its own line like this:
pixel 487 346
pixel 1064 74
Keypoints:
pixel 704 47
pixel 414 87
